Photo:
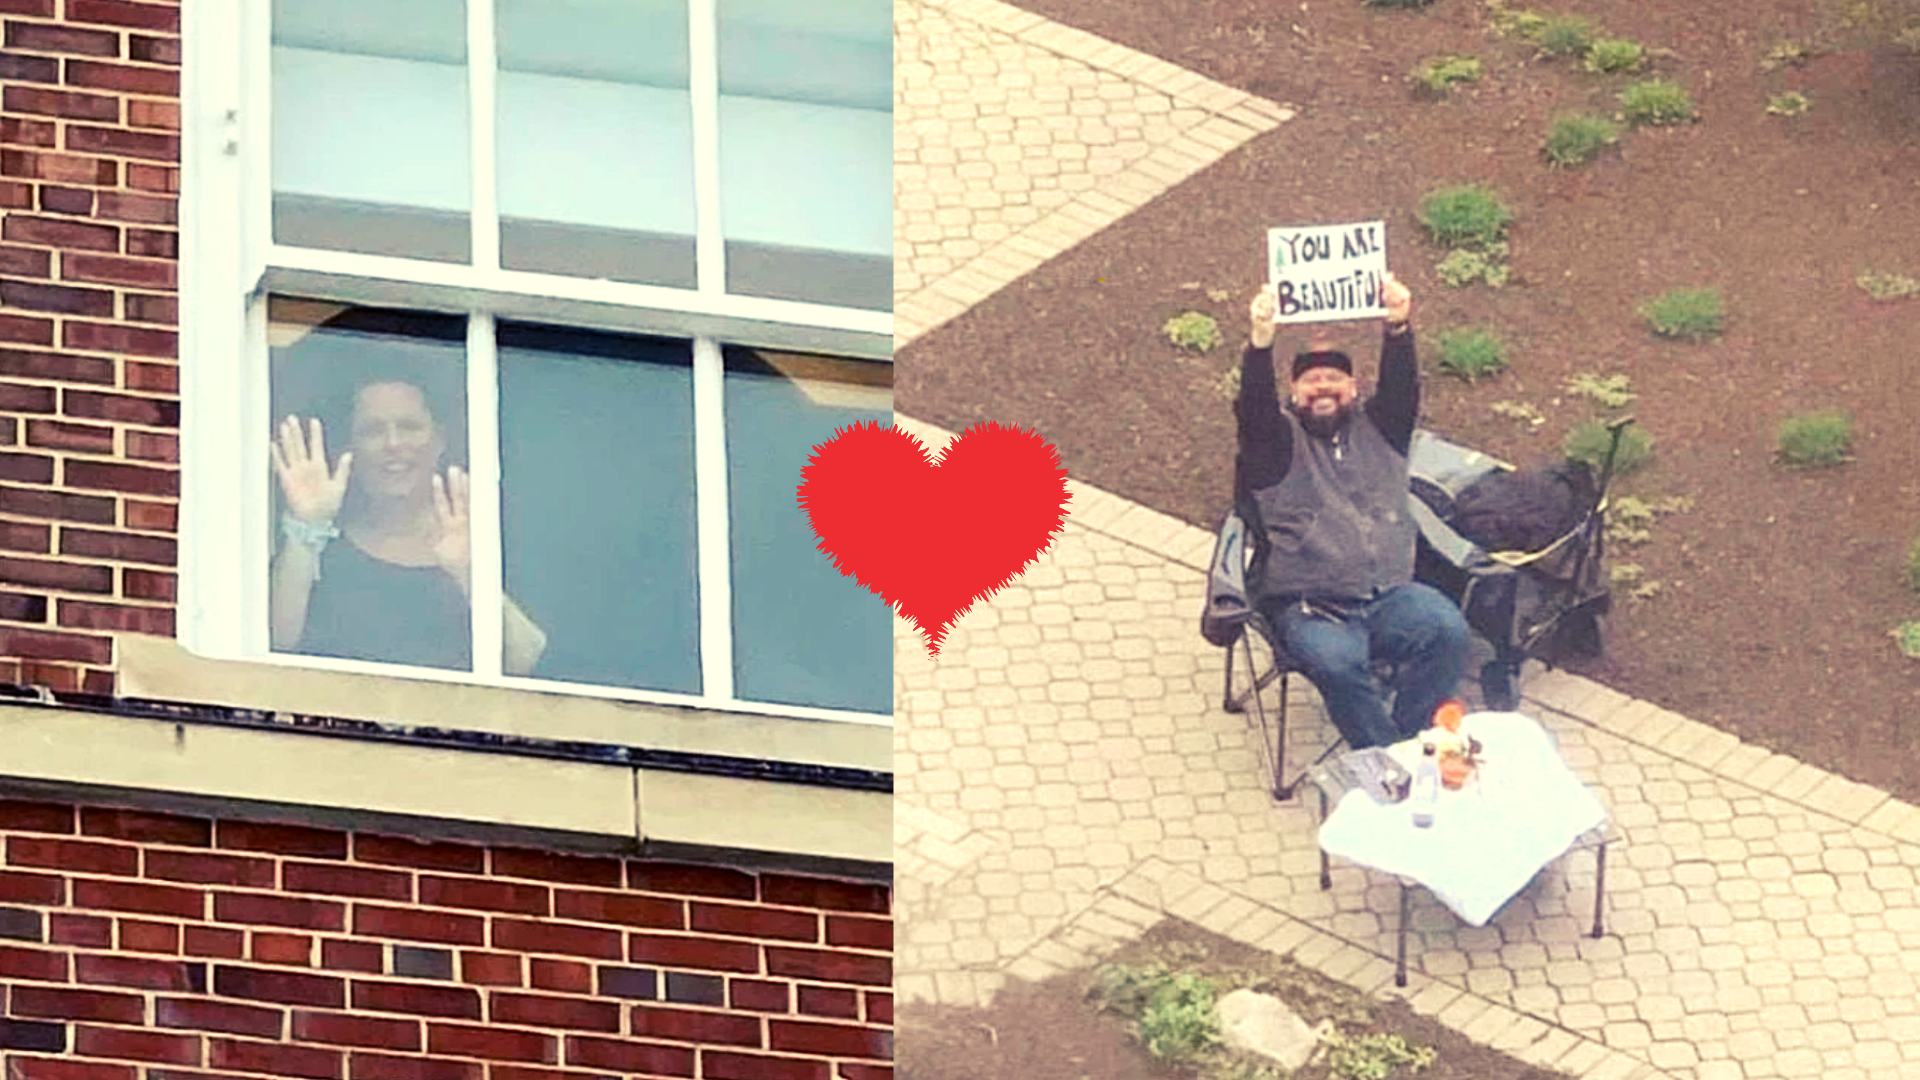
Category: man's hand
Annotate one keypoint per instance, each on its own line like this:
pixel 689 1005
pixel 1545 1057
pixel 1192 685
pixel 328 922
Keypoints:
pixel 1397 300
pixel 1260 313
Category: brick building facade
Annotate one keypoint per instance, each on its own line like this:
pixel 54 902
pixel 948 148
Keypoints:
pixel 216 869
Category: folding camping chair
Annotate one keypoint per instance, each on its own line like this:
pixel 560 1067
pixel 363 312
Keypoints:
pixel 1545 604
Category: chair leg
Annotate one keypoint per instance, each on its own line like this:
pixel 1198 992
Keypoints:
pixel 1599 886
pixel 1282 790
pixel 1406 915
pixel 1227 704
pixel 1326 871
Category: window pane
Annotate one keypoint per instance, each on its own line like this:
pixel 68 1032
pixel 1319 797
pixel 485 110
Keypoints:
pixel 597 505
pixel 596 140
pixel 806 149
pixel 366 566
pixel 370 142
pixel 802 633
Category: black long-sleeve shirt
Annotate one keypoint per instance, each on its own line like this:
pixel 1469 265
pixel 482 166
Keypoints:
pixel 1266 439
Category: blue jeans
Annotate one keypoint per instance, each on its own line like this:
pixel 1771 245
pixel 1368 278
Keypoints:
pixel 1413 627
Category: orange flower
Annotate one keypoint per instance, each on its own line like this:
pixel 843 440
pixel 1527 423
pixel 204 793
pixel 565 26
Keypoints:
pixel 1449 714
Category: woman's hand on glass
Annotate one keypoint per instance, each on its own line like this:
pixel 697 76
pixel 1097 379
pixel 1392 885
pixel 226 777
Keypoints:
pixel 313 491
pixel 454 550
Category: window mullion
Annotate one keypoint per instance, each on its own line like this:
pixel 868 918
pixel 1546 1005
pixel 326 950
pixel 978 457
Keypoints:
pixel 712 515
pixel 703 91
pixel 482 69
pixel 483 461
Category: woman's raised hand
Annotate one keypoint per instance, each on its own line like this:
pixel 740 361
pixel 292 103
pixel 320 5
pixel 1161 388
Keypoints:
pixel 452 502
pixel 312 490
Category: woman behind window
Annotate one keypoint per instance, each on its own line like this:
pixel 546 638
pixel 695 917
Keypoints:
pixel 375 559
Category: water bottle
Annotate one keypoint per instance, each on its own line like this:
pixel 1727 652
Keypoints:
pixel 1426 789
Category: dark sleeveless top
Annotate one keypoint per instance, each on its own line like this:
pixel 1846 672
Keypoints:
pixel 364 608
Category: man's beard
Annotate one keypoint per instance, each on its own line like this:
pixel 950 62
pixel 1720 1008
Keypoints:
pixel 1323 427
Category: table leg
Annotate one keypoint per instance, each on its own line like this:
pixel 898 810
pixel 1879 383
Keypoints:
pixel 1406 910
pixel 1326 873
pixel 1599 886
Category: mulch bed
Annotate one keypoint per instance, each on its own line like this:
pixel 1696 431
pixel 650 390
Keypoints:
pixel 1778 591
pixel 1052 1031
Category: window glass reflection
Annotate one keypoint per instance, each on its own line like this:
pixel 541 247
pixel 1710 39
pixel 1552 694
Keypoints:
pixel 373 556
pixel 806 150
pixel 596 140
pixel 597 503
pixel 370 140
pixel 802 633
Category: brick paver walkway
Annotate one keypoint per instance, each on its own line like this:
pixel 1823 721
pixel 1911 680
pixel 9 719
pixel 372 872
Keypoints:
pixel 1066 776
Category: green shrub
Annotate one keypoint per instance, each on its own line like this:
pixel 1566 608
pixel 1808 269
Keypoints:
pixel 1907 637
pixel 1470 215
pixel 1656 101
pixel 1588 442
pixel 1523 23
pixel 1817 439
pixel 1609 55
pixel 1438 75
pixel 1791 103
pixel 1472 353
pixel 1171 1012
pixel 1194 330
pixel 1913 566
pixel 1374 1057
pixel 1685 313
pixel 1564 35
pixel 1462 267
pixel 1575 140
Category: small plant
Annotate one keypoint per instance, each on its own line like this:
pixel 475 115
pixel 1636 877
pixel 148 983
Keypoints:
pixel 1373 1057
pixel 1523 23
pixel 1588 442
pixel 1629 520
pixel 1693 314
pixel 1886 286
pixel 1472 353
pixel 1518 410
pixel 1575 140
pixel 1438 75
pixel 1564 35
pixel 1470 215
pixel 1791 103
pixel 1194 330
pixel 1909 38
pixel 1913 566
pixel 1787 54
pixel 1172 1013
pixel 1656 101
pixel 1228 385
pixel 1816 440
pixel 1609 390
pixel 1609 55
pixel 1462 267
pixel 1398 3
pixel 1626 574
pixel 1907 637
pixel 1645 590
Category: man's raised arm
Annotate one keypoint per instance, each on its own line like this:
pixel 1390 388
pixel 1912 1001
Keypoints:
pixel 1395 406
pixel 1266 442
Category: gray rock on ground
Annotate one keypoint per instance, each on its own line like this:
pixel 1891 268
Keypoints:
pixel 1263 1024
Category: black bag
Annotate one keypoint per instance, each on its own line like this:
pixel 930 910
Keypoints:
pixel 1525 511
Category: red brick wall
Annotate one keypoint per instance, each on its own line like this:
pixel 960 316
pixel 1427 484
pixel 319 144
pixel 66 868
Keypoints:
pixel 141 946
pixel 89 152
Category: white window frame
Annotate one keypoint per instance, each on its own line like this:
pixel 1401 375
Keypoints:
pixel 230 265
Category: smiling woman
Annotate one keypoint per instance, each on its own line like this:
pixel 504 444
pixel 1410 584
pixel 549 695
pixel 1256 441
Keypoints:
pixel 375 556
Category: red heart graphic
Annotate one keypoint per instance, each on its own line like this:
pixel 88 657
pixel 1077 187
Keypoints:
pixel 932 538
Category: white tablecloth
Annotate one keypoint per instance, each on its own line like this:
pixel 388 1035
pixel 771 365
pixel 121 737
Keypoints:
pixel 1523 809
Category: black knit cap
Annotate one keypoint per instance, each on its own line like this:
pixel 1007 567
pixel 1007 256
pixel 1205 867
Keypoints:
pixel 1302 362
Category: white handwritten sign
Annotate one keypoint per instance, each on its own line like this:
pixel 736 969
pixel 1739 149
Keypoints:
pixel 1323 272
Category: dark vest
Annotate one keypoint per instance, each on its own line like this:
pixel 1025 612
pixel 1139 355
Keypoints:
pixel 1337 525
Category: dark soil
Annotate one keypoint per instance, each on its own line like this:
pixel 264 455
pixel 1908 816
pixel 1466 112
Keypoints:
pixel 1778 591
pixel 1053 1031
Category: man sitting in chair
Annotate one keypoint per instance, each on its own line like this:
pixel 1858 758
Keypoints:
pixel 1328 478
